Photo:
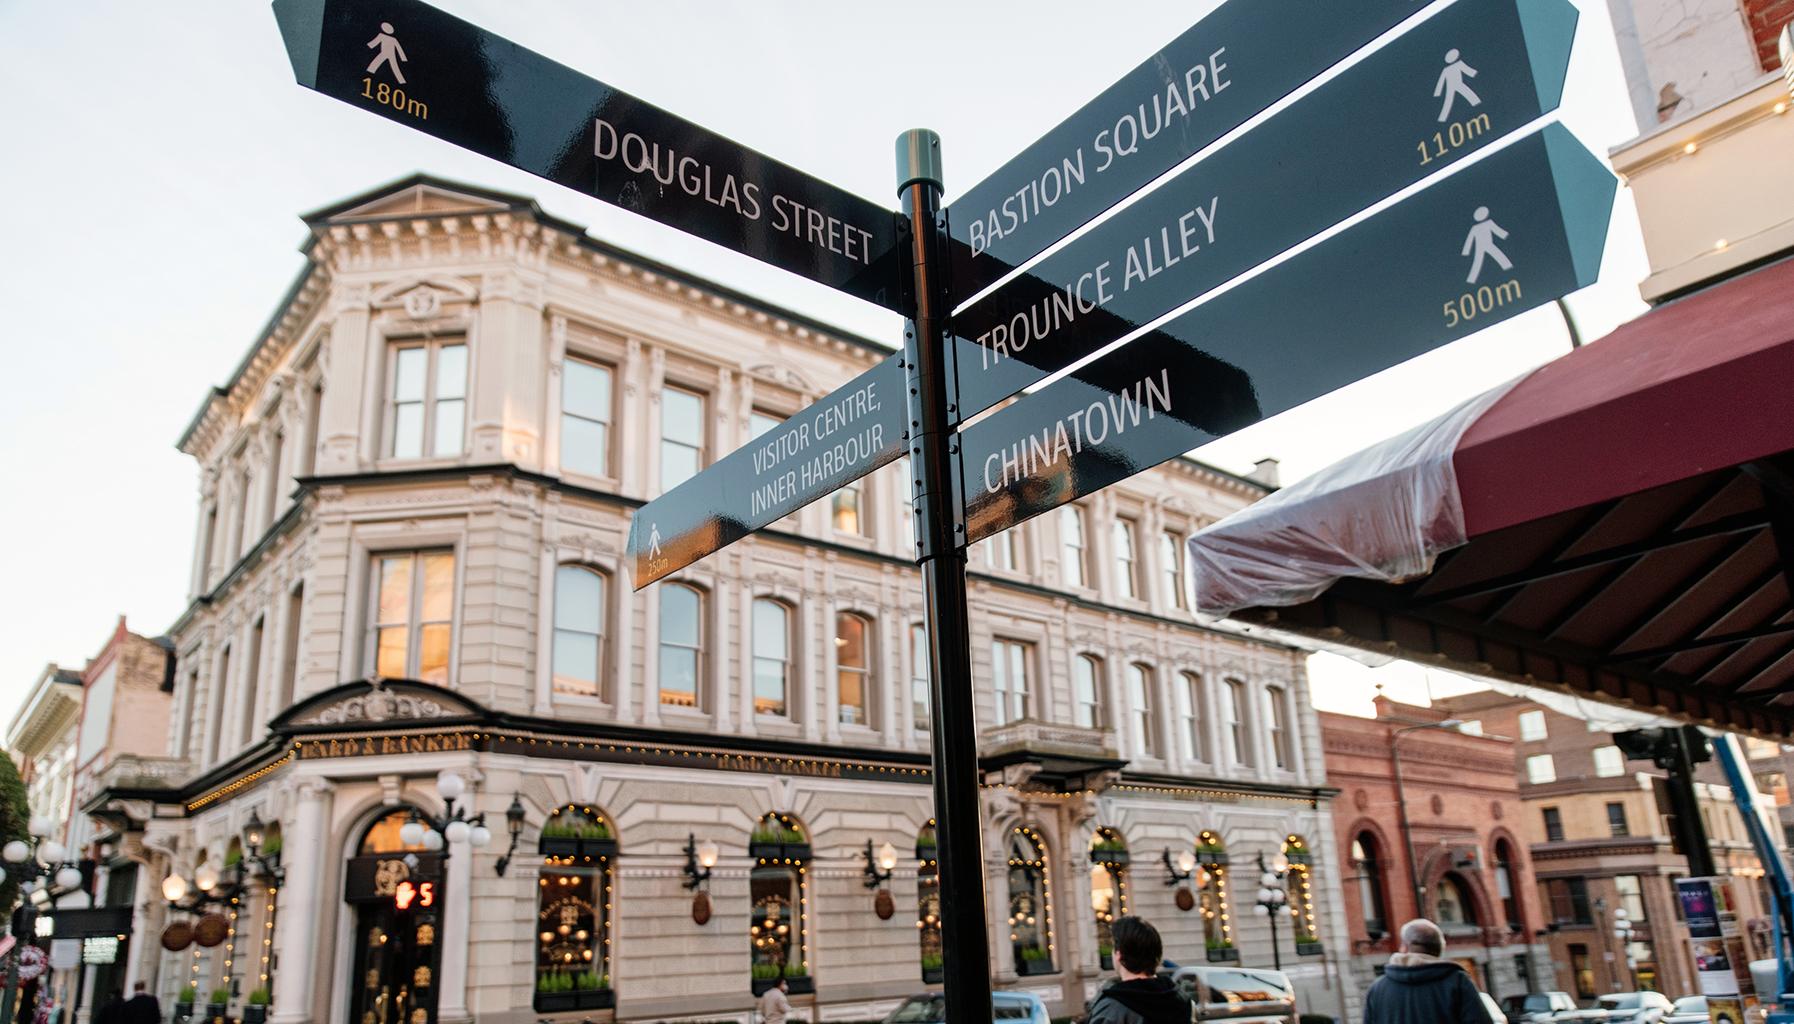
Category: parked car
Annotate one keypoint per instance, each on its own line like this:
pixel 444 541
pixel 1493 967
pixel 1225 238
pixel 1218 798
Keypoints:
pixel 1548 1008
pixel 1006 1008
pixel 1494 1009
pixel 1242 995
pixel 1688 1010
pixel 1636 1007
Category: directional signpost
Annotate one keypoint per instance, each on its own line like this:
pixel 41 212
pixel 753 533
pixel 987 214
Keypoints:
pixel 411 63
pixel 1516 228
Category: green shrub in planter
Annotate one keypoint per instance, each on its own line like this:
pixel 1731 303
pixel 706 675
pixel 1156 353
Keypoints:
pixel 189 994
pixel 260 997
pixel 220 995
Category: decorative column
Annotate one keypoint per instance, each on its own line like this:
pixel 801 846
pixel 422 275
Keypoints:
pixel 296 934
pixel 456 938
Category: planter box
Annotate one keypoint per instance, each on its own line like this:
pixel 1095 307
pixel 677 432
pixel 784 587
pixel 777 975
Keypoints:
pixel 933 975
pixel 563 846
pixel 216 1011
pixel 1028 968
pixel 1118 858
pixel 760 985
pixel 927 852
pixel 800 986
pixel 255 1014
pixel 1211 857
pixel 1229 955
pixel 183 1011
pixel 1298 858
pixel 1309 949
pixel 1106 961
pixel 779 851
pixel 585 999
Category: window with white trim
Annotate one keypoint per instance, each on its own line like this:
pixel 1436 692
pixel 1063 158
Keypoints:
pixel 585 417
pixel 1009 669
pixel 681 436
pixel 853 669
pixel 1126 583
pixel 681 644
pixel 772 658
pixel 1609 762
pixel 1540 769
pixel 1087 688
pixel 1071 539
pixel 427 407
pixel 1171 566
pixel 1140 682
pixel 919 693
pixel 1192 712
pixel 1532 725
pixel 579 593
pixel 410 630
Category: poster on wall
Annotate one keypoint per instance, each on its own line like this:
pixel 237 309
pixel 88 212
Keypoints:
pixel 1716 941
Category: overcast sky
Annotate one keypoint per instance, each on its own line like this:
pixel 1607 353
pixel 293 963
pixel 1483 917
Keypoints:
pixel 159 156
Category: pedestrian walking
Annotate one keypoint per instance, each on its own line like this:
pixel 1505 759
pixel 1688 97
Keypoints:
pixel 774 1007
pixel 142 1008
pixel 1138 995
pixel 1419 988
pixel 111 1009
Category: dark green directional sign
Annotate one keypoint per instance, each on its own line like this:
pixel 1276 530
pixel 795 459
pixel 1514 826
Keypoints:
pixel 411 63
pixel 1519 228
pixel 1240 59
pixel 1443 90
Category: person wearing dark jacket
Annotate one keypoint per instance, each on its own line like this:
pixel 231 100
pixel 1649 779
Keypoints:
pixel 1419 988
pixel 142 1008
pixel 1138 995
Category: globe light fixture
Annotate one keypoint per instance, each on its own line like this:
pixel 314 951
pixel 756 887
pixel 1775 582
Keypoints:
pixel 887 857
pixel 457 831
pixel 450 785
pixel 479 836
pixel 42 825
pixel 68 877
pixel 707 854
pixel 432 840
pixel 1186 861
pixel 174 888
pixel 15 851
pixel 50 851
pixel 412 833
pixel 206 877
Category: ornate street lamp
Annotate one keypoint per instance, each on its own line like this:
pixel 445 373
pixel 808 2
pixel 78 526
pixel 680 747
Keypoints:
pixel 255 837
pixel 41 862
pixel 514 815
pixel 1623 930
pixel 453 827
pixel 878 871
pixel 1272 899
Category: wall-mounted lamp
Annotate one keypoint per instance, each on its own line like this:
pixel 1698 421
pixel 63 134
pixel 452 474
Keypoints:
pixel 878 871
pixel 699 859
pixel 514 816
pixel 1182 868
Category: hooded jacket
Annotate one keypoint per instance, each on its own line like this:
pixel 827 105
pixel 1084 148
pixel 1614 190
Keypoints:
pixel 1141 1001
pixel 1420 989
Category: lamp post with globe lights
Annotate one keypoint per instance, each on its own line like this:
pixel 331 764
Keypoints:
pixel 1273 899
pixel 1623 931
pixel 41 861
pixel 441 833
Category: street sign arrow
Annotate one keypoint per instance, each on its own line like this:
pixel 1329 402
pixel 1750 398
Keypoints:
pixel 1240 59
pixel 411 63
pixel 1445 89
pixel 1519 228
pixel 831 443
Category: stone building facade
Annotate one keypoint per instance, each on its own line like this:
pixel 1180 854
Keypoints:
pixel 1599 843
pixel 415 493
pixel 1429 825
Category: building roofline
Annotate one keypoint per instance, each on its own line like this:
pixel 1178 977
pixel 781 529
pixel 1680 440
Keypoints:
pixel 53 683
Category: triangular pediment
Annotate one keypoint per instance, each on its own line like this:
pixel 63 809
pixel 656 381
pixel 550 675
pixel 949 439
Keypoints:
pixel 380 703
pixel 419 196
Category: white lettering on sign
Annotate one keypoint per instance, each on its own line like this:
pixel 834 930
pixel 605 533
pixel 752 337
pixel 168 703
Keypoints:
pixel 1059 441
pixel 1178 100
pixel 825 441
pixel 746 199
pixel 1153 255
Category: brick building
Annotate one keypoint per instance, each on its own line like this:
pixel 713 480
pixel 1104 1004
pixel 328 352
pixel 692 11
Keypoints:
pixel 1419 799
pixel 1599 842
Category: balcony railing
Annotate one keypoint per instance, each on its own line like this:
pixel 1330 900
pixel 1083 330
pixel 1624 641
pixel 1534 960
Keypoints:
pixel 1048 737
pixel 130 771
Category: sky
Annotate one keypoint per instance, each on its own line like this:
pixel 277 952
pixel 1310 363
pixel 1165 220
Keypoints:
pixel 160 156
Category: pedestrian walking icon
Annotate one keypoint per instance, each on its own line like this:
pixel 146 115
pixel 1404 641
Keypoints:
pixel 1479 244
pixel 1452 84
pixel 391 53
pixel 654 540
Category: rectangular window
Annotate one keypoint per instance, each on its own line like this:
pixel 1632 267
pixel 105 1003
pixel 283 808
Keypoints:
pixel 1631 895
pixel 1569 900
pixel 1540 769
pixel 1009 669
pixel 1140 684
pixel 772 657
pixel 918 676
pixel 1616 820
pixel 184 729
pixel 276 454
pixel 1474 727
pixel 681 644
pixel 1582 969
pixel 1235 726
pixel 289 662
pixel 847 511
pixel 413 603
pixel 314 405
pixel 1126 584
pixel 681 436
pixel 999 551
pixel 252 682
pixel 429 399
pixel 1274 715
pixel 1609 763
pixel 220 686
pixel 585 417
pixel 1171 561
pixel 1071 538
pixel 1532 725
pixel 1087 688
pixel 1554 825
pixel 1193 746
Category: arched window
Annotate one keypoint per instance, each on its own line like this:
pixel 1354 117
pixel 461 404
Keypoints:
pixel 1504 885
pixel 578 629
pixel 1367 864
pixel 1108 889
pixel 1071 536
pixel 681 644
pixel 778 935
pixel 1140 684
pixel 1235 727
pixel 1452 902
pixel 853 668
pixel 1217 915
pixel 573 911
pixel 1030 904
pixel 1277 724
pixel 772 657
pixel 1300 886
pixel 1087 683
pixel 928 903
pixel 383 835
pixel 1194 748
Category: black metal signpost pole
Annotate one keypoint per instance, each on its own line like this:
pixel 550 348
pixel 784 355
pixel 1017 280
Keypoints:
pixel 941 556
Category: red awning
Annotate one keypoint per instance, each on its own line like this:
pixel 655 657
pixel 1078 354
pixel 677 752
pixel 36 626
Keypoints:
pixel 1619 522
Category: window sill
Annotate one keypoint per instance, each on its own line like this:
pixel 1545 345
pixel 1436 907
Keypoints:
pixel 391 463
pixel 591 483
pixel 580 702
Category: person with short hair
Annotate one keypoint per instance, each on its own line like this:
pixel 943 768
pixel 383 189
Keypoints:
pixel 1417 987
pixel 1138 995
pixel 142 1008
pixel 774 1007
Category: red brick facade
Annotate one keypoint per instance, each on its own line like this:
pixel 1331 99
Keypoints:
pixel 1766 18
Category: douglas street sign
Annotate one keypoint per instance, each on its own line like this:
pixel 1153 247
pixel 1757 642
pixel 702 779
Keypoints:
pixel 1243 57
pixel 411 63
pixel 1445 89
pixel 1520 228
